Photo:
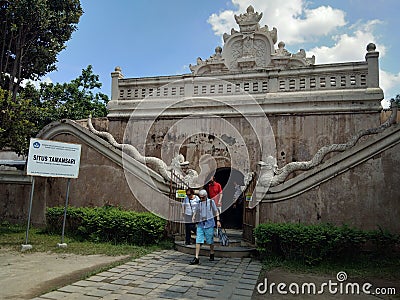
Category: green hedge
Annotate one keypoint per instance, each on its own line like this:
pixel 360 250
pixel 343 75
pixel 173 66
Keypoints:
pixel 107 224
pixel 313 243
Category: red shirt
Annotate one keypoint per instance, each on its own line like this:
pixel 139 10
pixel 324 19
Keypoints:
pixel 215 189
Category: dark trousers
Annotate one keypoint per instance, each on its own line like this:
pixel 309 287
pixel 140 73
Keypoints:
pixel 189 226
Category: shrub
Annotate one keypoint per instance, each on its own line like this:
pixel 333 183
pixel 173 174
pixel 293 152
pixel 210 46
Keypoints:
pixel 313 243
pixel 107 224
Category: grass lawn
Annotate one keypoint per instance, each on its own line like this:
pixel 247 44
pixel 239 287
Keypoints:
pixel 365 266
pixel 13 236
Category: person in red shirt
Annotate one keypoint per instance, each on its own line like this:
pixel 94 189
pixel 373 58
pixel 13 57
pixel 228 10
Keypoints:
pixel 214 191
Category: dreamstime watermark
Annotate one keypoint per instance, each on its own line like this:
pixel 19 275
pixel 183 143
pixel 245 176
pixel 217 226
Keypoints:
pixel 338 287
pixel 196 119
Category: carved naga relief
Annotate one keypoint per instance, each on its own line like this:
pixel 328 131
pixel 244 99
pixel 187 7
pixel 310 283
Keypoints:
pixel 271 175
pixel 251 48
pixel 178 163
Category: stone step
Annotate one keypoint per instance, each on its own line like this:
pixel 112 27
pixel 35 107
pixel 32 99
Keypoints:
pixel 220 251
pixel 232 242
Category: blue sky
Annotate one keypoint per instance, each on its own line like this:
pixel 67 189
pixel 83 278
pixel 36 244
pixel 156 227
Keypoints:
pixel 158 37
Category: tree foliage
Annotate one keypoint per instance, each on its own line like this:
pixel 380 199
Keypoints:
pixel 17 122
pixel 32 33
pixel 397 100
pixel 35 108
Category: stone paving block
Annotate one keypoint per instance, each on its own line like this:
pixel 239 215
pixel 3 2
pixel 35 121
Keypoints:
pixel 243 292
pixel 139 273
pixel 131 277
pixel 216 282
pixel 86 283
pixel 208 294
pixel 79 296
pixel 184 282
pixel 249 276
pixel 55 295
pixel 121 282
pixel 149 285
pixel 239 297
pixel 178 289
pixel 171 281
pixel 110 287
pixel 248 281
pixel 131 263
pixel 170 295
pixel 224 273
pixel 72 289
pixel 139 291
pixel 220 277
pixel 157 280
pixel 255 268
pixel 116 270
pixel 130 297
pixel 163 275
pixel 212 287
pixel 96 278
pixel 246 286
pixel 106 274
pixel 155 266
pixel 112 296
pixel 97 293
pixel 251 272
pixel 226 269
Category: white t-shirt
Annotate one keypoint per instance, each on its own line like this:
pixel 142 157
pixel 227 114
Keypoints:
pixel 190 205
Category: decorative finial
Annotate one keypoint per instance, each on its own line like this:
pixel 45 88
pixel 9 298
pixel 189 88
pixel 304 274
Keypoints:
pixel 117 69
pixel 248 18
pixel 371 47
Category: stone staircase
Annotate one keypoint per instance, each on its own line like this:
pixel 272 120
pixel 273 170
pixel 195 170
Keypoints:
pixel 237 248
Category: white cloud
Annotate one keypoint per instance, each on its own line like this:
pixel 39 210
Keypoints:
pixel 37 83
pixel 295 22
pixel 349 47
pixel 390 83
pixel 222 22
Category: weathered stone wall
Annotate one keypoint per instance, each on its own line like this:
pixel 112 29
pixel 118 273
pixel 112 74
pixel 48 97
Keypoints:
pixel 14 202
pixel 297 137
pixel 101 182
pixel 366 197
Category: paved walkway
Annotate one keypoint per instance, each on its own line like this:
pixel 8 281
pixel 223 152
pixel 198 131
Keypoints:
pixel 168 275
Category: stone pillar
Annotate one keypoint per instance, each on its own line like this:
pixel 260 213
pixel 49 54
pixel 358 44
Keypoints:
pixel 115 76
pixel 373 66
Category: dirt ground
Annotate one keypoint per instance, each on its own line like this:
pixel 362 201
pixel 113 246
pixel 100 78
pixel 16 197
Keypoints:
pixel 25 275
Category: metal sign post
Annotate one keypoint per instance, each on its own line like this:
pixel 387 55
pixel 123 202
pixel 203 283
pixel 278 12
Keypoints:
pixel 62 244
pixel 27 246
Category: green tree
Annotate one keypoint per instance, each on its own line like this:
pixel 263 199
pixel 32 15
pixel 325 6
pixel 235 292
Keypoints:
pixel 397 100
pixel 74 100
pixel 17 122
pixel 35 108
pixel 32 33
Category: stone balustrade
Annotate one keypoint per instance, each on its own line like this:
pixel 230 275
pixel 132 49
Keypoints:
pixel 318 78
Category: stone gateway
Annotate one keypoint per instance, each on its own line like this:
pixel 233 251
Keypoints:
pixel 247 114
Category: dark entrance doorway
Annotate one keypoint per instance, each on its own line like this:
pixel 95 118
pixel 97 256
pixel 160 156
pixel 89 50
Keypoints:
pixel 232 215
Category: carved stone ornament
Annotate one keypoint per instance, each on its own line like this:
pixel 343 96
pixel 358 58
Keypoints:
pixel 271 175
pixel 178 163
pixel 251 48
